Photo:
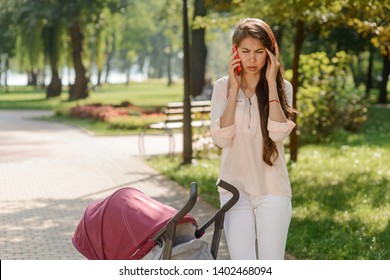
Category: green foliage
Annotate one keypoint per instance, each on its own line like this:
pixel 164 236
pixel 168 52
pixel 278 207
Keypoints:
pixel 328 98
pixel 7 30
pixel 370 18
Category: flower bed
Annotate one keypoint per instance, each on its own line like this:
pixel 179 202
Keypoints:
pixel 106 113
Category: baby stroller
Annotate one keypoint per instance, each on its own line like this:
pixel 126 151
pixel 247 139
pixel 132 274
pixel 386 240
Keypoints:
pixel 131 225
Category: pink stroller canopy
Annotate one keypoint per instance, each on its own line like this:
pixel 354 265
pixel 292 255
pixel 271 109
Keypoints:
pixel 122 225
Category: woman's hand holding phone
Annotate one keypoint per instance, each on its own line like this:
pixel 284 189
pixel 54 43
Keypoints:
pixel 238 68
pixel 235 69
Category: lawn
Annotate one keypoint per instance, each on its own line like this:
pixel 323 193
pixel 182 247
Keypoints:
pixel 152 93
pixel 151 96
pixel 342 196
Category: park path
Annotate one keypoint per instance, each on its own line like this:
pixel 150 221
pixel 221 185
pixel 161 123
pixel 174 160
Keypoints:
pixel 50 172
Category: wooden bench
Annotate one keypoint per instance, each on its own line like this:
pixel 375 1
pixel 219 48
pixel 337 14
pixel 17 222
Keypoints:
pixel 200 116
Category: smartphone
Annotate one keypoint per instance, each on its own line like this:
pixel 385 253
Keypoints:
pixel 238 69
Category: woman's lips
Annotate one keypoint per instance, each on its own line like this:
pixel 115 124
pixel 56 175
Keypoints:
pixel 251 68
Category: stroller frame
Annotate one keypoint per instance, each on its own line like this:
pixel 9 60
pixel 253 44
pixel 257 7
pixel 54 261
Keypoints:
pixel 168 232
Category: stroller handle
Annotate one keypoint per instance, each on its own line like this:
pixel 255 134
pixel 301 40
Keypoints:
pixel 236 195
pixel 189 205
pixel 171 225
pixel 219 216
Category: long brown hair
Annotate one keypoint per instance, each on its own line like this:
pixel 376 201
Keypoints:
pixel 256 28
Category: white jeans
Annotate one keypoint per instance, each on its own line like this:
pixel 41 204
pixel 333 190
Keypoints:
pixel 266 219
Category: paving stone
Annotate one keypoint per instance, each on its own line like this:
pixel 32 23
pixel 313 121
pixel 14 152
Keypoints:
pixel 50 172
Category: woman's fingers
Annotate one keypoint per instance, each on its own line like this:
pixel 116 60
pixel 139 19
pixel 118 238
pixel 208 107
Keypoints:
pixel 270 55
pixel 272 58
pixel 276 50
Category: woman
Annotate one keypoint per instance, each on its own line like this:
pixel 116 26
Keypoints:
pixel 250 117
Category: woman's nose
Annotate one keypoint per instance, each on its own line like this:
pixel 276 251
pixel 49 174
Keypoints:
pixel 252 57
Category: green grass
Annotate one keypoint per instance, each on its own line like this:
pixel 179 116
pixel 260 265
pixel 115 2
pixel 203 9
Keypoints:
pixel 203 171
pixel 21 97
pixel 154 93
pixel 341 193
pixel 150 94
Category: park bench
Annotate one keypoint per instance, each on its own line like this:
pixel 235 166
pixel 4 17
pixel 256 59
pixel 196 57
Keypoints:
pixel 200 116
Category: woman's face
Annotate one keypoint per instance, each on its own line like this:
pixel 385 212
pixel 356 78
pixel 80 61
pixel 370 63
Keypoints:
pixel 253 55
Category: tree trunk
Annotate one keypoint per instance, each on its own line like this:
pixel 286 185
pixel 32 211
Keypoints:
pixel 55 86
pixel 128 71
pixel 1 70
pixel 79 90
pixel 6 68
pixel 99 78
pixel 169 67
pixel 187 128
pixel 32 79
pixel 108 61
pixel 198 53
pixel 354 71
pixel 299 38
pixel 369 70
pixel 279 36
pixel 42 81
pixel 385 78
pixel 128 76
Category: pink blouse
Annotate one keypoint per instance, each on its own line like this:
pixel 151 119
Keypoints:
pixel 242 162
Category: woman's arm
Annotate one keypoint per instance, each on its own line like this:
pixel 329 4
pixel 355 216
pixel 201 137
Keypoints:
pixel 221 136
pixel 233 84
pixel 227 118
pixel 280 130
pixel 275 109
pixel 279 127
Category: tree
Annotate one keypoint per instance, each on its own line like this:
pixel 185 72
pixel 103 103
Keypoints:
pixel 141 36
pixel 170 32
pixel 78 14
pixel 39 38
pixel 187 127
pixel 28 45
pixel 371 18
pixel 7 38
pixel 198 51
pixel 52 38
pixel 100 41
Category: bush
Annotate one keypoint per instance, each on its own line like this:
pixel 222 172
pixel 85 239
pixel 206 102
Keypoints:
pixel 328 98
